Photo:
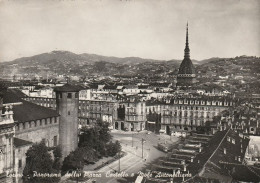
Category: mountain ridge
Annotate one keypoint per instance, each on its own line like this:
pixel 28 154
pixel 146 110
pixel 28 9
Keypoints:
pixel 88 57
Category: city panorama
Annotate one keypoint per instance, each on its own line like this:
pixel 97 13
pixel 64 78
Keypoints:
pixel 129 91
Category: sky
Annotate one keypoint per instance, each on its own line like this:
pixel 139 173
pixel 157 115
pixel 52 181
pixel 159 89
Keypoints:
pixel 152 29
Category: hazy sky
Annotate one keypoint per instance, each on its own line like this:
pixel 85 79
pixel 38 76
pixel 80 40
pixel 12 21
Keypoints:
pixel 141 28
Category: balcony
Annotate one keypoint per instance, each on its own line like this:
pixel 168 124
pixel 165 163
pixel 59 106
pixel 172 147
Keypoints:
pixel 167 116
pixel 131 114
pixel 107 112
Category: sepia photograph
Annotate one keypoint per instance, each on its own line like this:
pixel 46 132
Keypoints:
pixel 129 91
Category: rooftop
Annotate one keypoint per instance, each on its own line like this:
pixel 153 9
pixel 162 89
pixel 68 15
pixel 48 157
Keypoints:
pixel 27 111
pixel 186 67
pixel 20 142
pixel 68 88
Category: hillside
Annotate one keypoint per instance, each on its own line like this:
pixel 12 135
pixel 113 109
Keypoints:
pixel 58 63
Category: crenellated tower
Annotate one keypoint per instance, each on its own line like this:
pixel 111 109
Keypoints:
pixel 67 99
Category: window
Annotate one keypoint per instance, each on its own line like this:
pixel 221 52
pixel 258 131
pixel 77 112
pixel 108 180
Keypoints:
pixel 55 142
pixel 228 139
pixel 239 158
pixel 68 112
pixel 69 95
pixel 20 163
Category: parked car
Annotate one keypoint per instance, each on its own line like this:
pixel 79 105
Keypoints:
pixel 163 147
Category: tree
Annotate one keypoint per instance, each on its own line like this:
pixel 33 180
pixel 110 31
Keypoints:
pixel 38 159
pixel 76 159
pixel 57 158
pixel 73 161
pixel 95 137
pixel 113 148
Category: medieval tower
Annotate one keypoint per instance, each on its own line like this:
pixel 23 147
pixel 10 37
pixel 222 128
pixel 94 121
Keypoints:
pixel 187 74
pixel 67 100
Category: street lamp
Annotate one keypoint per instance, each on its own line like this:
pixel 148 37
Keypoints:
pixel 143 141
pixel 119 161
pixel 132 139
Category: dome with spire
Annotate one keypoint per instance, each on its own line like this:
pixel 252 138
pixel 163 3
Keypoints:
pixel 187 67
pixel 187 71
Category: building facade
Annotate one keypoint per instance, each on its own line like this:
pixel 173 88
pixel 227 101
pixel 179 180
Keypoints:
pixel 187 113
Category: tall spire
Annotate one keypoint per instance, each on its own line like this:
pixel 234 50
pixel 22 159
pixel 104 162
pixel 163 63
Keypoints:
pixel 187 49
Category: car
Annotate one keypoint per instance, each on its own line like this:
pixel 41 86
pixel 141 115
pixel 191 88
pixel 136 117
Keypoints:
pixel 162 147
pixel 148 132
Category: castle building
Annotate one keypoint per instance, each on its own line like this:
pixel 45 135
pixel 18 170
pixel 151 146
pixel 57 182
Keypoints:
pixel 187 74
pixel 67 100
pixel 23 123
pixel 7 129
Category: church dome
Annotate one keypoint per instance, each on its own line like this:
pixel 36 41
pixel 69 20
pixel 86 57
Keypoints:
pixel 186 67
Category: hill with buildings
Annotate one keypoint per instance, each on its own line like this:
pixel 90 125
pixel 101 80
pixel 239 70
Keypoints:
pixel 240 70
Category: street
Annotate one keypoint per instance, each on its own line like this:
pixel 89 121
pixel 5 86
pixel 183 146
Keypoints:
pixel 132 162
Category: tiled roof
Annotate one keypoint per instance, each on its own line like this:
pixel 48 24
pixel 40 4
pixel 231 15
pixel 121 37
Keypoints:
pixel 12 96
pixel 20 142
pixel 30 112
pixel 209 159
pixel 160 84
pixel 68 88
pixel 27 111
pixel 245 173
pixel 111 87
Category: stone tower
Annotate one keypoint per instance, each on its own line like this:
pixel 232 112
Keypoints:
pixel 67 100
pixel 187 74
